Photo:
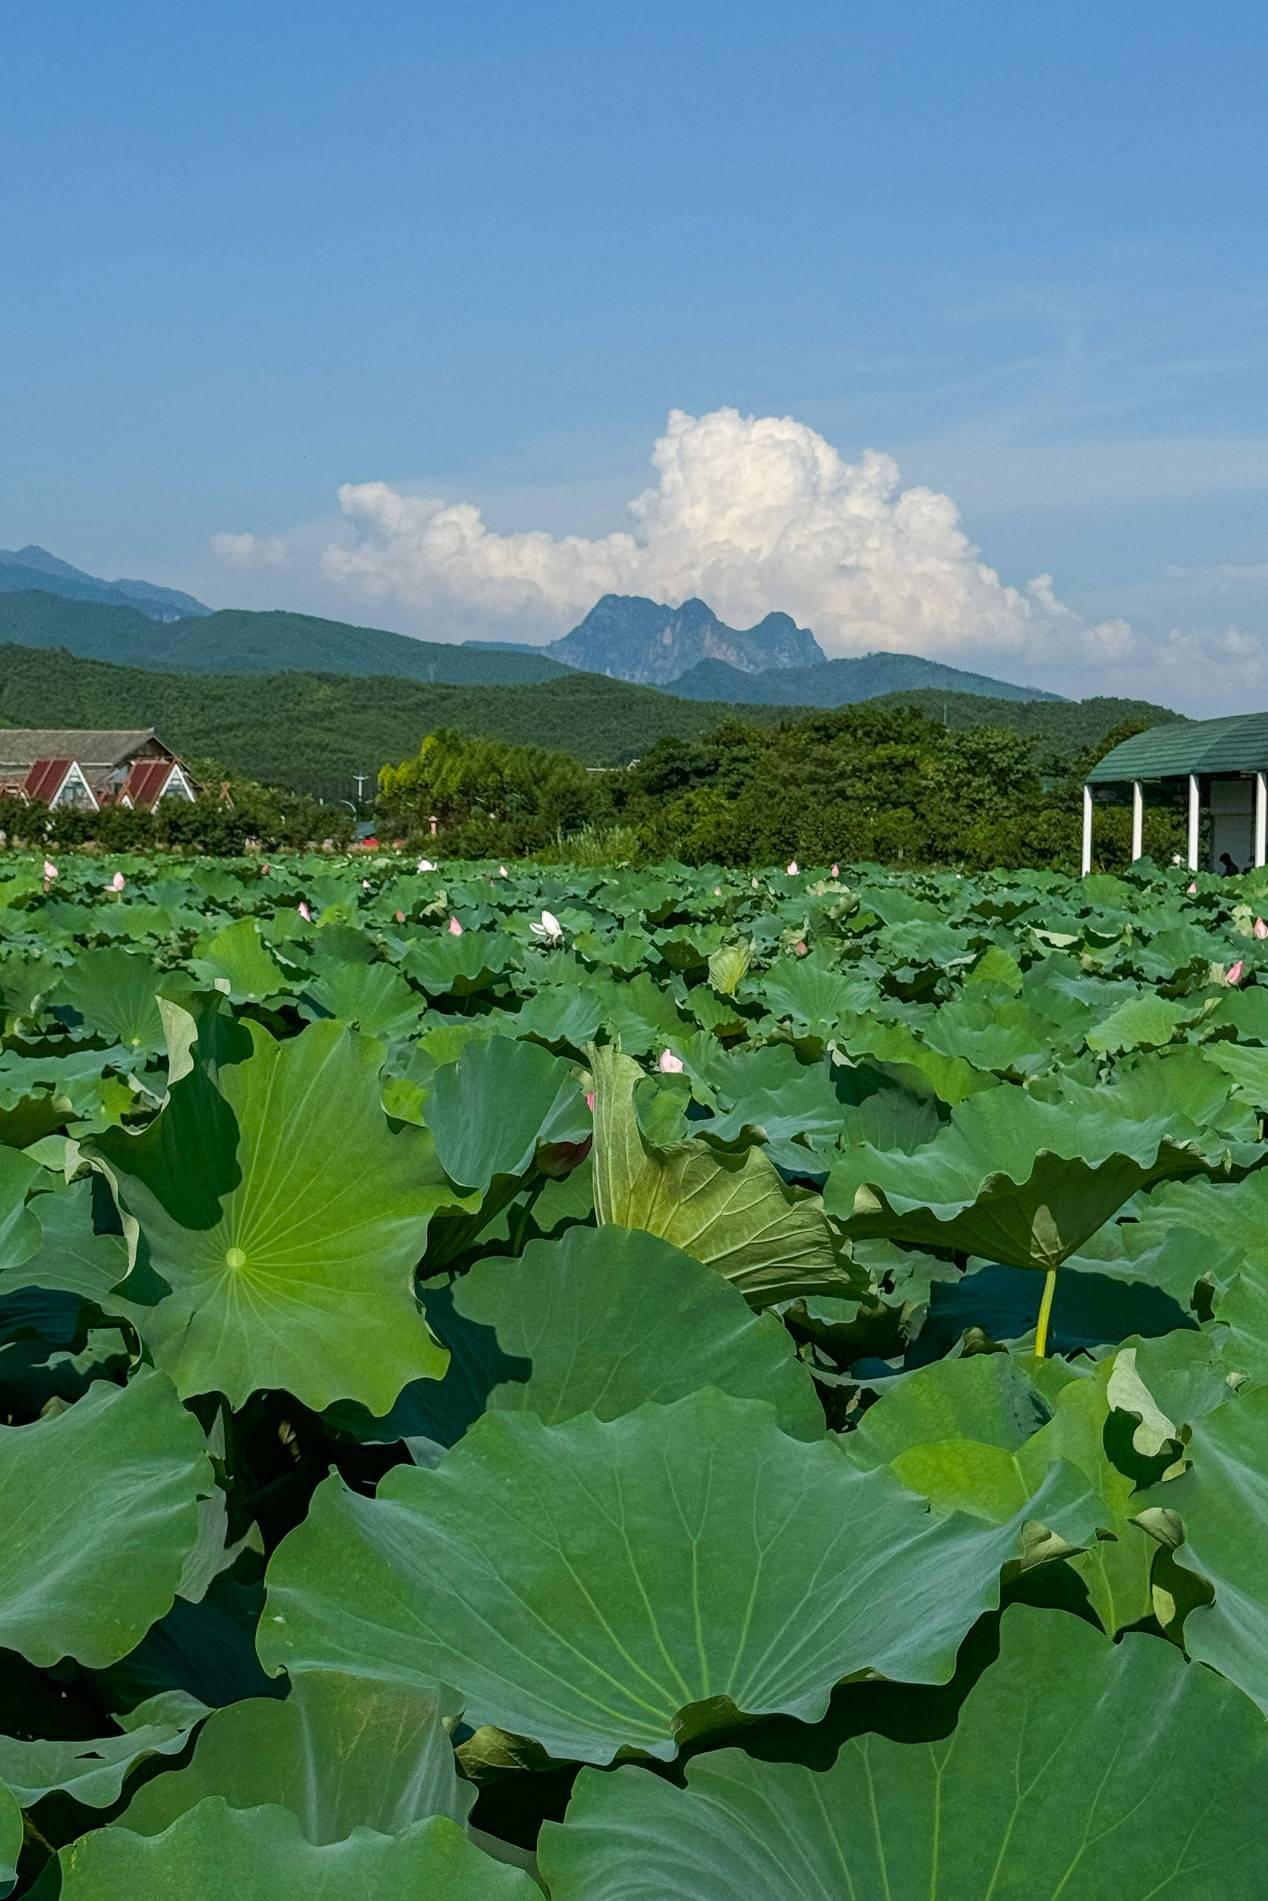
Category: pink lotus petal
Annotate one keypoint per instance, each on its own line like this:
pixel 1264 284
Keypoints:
pixel 50 870
pixel 1193 891
pixel 800 947
pixel 1235 972
pixel 304 912
pixel 590 1100
pixel 669 1064
pixel 836 871
pixel 793 868
pixel 400 917
pixel 1261 929
pixel 455 929
pixel 118 881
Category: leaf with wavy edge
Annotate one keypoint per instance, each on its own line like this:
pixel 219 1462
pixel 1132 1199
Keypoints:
pixel 261 1855
pixel 284 1218
pixel 99 1505
pixel 592 1585
pixel 731 1211
pixel 1079 1770
pixel 94 1772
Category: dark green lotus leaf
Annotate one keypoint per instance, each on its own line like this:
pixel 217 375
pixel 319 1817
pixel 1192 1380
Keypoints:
pixel 262 1855
pixel 1079 1770
pixel 606 1319
pixel 602 1584
pixel 99 1505
pixel 1004 1037
pixel 10 1838
pixel 94 1772
pixel 274 1202
pixel 1016 1179
pixel 72 1256
pixel 115 991
pixel 341 1752
pixel 445 966
pixel 237 961
pixel 492 1110
pixel 371 997
pixel 732 1212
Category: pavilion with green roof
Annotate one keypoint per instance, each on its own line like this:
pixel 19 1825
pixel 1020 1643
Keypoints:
pixel 1224 761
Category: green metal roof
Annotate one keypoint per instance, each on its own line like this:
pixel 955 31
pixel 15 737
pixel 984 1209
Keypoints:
pixel 1239 744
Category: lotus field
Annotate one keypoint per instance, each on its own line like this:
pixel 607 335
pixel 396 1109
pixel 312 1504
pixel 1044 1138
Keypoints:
pixel 631 1386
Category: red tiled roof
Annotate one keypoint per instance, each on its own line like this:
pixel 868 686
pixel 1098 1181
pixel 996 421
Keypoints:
pixel 146 781
pixel 44 780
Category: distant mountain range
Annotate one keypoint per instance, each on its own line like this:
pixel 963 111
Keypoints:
pixel 34 567
pixel 45 602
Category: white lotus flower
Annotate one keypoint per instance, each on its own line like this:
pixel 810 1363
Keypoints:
pixel 548 929
pixel 425 864
pixel 669 1064
pixel 793 868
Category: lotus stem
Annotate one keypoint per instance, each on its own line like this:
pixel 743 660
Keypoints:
pixel 1045 1313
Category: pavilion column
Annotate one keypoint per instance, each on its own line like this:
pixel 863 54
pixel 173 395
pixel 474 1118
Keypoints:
pixel 1138 820
pixel 1195 818
pixel 1087 830
pixel 1261 817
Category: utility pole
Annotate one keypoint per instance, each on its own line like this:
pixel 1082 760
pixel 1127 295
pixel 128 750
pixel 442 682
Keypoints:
pixel 359 779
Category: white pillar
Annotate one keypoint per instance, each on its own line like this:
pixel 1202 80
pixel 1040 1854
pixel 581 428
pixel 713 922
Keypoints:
pixel 1195 816
pixel 1087 830
pixel 1138 819
pixel 1261 817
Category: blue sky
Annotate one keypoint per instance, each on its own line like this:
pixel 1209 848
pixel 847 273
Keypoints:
pixel 479 254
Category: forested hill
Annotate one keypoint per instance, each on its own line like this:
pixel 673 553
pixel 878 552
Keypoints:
pixel 236 640
pixel 312 730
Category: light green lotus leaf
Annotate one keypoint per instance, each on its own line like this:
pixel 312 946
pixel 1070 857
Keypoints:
pixel 340 1752
pixel 371 997
pixel 94 1772
pixel 1019 1180
pixel 1142 1021
pixel 72 1257
pixel 1222 1508
pixel 732 1212
pixel 1079 1770
pixel 285 1219
pixel 20 1232
pixel 99 1508
pixel 491 1110
pixel 601 1584
pixel 608 1318
pixel 261 1855
pixel 237 961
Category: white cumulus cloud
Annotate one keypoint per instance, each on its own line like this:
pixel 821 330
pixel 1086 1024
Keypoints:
pixel 751 513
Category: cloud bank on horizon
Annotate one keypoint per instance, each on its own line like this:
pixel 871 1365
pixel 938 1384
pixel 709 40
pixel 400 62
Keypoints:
pixel 753 514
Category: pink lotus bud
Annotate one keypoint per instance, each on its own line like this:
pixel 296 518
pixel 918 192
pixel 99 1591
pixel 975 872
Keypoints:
pixel 118 881
pixel 50 871
pixel 400 917
pixel 1193 891
pixel 836 871
pixel 669 1064
pixel 455 929
pixel 1234 973
pixel 264 871
pixel 590 1100
pixel 800 947
pixel 793 868
pixel 304 912
pixel 1261 929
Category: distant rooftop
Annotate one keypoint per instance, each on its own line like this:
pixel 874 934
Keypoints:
pixel 1237 744
pixel 21 746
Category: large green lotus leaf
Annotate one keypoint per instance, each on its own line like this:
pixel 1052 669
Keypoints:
pixel 237 961
pixel 261 1855
pixel 608 1583
pixel 72 1257
pixel 1222 1506
pixel 913 1062
pixel 1142 1021
pixel 10 1838
pixel 340 1752
pixel 286 1219
pixel 1016 1179
pixel 94 1772
pixel 371 997
pixel 20 1231
pixel 457 966
pixel 791 1107
pixel 1004 1037
pixel 607 1318
pixel 807 992
pixel 99 1508
pixel 491 1110
pixel 975 1435
pixel 115 991
pixel 732 1212
pixel 1079 1770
